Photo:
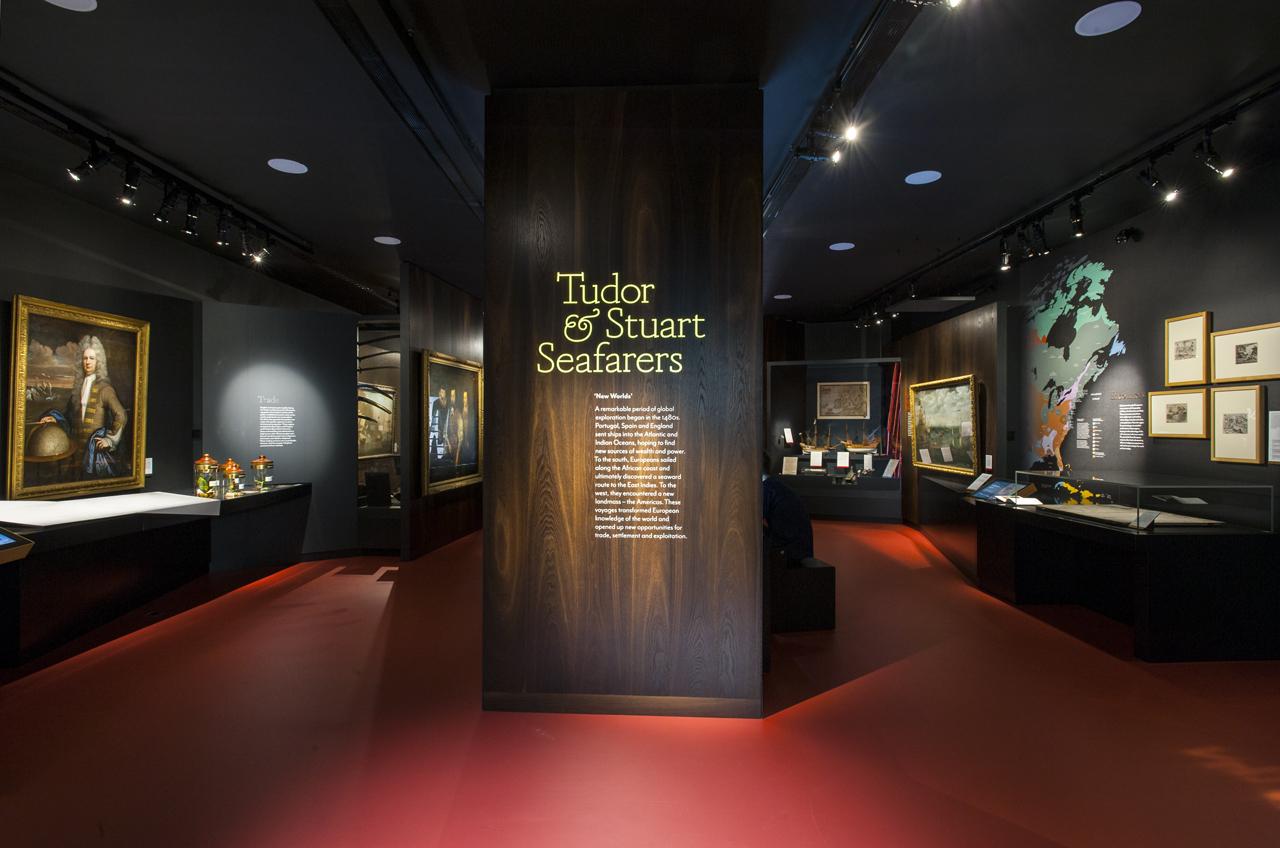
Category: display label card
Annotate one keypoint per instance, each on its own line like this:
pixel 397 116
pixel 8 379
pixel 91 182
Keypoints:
pixel 891 468
pixel 1019 501
pixel 787 437
pixel 815 459
pixel 866 462
pixel 924 456
pixel 978 482
pixel 1147 517
pixel 988 462
pixel 1273 425
pixel 790 465
pixel 946 454
pixel 842 459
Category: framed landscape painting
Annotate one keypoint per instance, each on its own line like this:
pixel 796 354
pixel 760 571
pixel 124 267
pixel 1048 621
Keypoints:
pixel 942 415
pixel 78 402
pixel 452 422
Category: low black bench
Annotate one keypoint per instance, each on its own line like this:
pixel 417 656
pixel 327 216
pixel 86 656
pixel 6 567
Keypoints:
pixel 803 595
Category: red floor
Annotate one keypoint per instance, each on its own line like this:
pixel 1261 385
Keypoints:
pixel 328 707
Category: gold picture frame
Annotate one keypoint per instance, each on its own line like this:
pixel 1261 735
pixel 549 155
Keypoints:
pixel 1191 400
pixel 1265 364
pixel 915 412
pixel 1247 408
pixel 1177 340
pixel 447 421
pixel 86 447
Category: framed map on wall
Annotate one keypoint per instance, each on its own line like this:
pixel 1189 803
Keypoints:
pixel 942 415
pixel 844 400
pixel 78 408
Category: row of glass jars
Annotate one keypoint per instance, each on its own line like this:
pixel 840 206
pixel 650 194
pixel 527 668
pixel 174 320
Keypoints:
pixel 227 480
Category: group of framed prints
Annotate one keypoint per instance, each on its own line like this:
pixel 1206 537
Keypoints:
pixel 1232 417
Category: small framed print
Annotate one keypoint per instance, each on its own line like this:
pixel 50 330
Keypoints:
pixel 1236 420
pixel 1177 414
pixel 1186 350
pixel 1246 354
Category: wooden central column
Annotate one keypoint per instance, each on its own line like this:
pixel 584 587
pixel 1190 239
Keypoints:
pixel 622 346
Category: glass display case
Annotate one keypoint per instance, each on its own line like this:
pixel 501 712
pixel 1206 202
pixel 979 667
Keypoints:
pixel 1150 503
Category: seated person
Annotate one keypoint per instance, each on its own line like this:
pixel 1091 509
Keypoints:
pixel 786 521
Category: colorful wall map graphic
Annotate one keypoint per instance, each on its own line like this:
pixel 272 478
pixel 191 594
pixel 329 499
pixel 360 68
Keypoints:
pixel 1071 341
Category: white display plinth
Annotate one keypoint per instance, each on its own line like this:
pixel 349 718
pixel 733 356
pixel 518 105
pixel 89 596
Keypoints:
pixel 49 513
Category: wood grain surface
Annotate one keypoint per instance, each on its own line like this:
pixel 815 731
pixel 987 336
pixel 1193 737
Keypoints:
pixel 661 185
pixel 434 316
pixel 965 344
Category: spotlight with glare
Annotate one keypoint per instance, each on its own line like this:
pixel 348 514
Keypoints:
pixel 1006 258
pixel 224 229
pixel 1077 218
pixel 166 205
pixel 129 191
pixel 1152 179
pixel 1042 243
pixel 851 133
pixel 1205 153
pixel 193 215
pixel 95 160
pixel 836 156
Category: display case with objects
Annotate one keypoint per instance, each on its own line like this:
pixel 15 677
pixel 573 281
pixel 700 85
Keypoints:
pixel 1151 503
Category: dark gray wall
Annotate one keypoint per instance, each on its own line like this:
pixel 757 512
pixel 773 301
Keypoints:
pixel 1215 250
pixel 256 356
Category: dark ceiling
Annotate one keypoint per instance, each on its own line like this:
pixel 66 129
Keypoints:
pixel 383 99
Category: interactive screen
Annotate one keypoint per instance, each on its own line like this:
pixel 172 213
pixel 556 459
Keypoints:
pixel 999 488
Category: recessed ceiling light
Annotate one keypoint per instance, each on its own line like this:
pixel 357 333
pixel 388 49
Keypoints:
pixel 287 166
pixel 841 245
pixel 388 240
pixel 74 5
pixel 1108 18
pixel 923 177
pixel 782 297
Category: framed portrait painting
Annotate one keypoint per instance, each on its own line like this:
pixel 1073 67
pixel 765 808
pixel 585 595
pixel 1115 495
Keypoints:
pixel 1247 354
pixel 452 422
pixel 844 400
pixel 1177 414
pixel 78 404
pixel 376 421
pixel 1186 350
pixel 943 418
pixel 1238 419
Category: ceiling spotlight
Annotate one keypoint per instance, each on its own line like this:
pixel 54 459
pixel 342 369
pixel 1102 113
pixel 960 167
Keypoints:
pixel 1042 243
pixel 95 160
pixel 260 255
pixel 1205 153
pixel 782 297
pixel 193 215
pixel 224 229
pixel 851 133
pixel 129 191
pixel 1006 258
pixel 1077 218
pixel 1024 246
pixel 836 156
pixel 1152 179
pixel 244 243
pixel 166 205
